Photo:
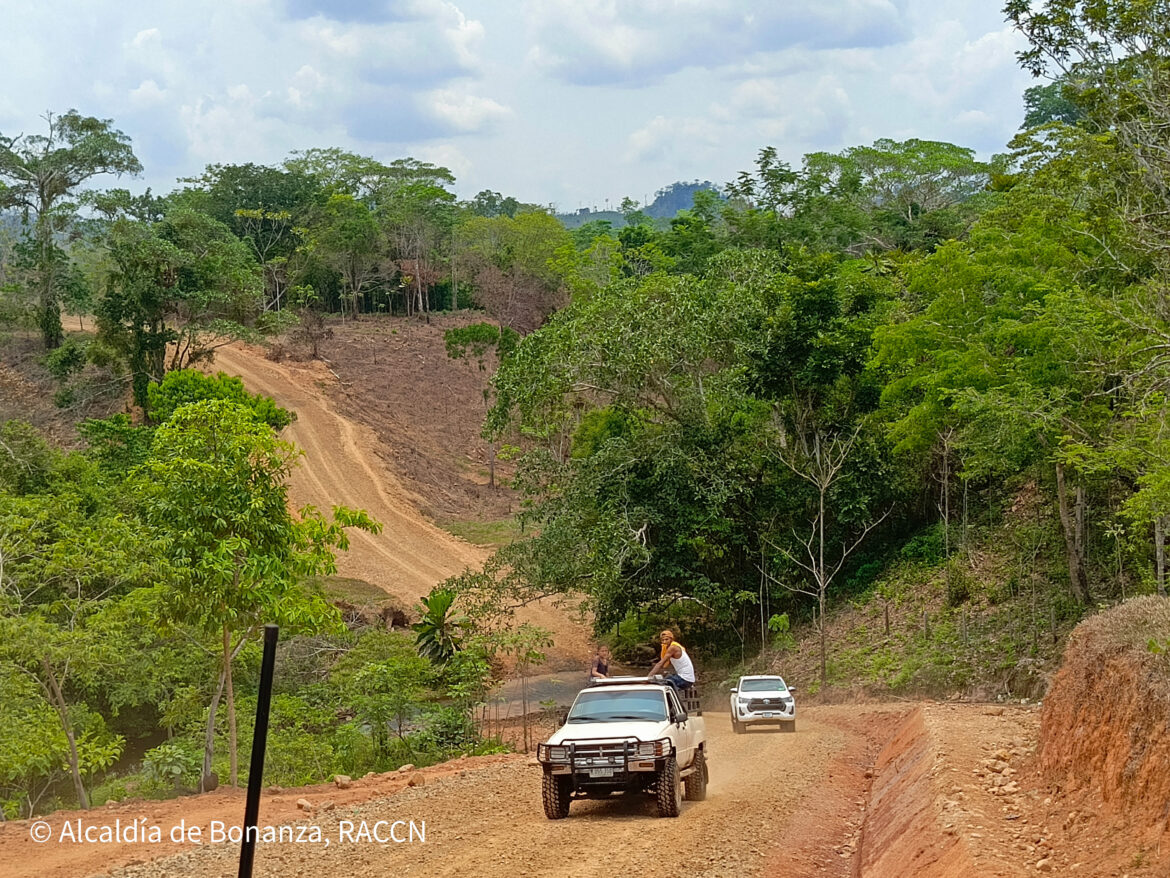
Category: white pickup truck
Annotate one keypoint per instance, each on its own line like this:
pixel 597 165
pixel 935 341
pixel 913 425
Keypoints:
pixel 631 735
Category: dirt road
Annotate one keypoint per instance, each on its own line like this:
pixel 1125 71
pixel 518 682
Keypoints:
pixel 341 466
pixel 776 801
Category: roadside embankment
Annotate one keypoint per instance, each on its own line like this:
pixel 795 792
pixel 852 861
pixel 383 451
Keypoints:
pixel 1105 727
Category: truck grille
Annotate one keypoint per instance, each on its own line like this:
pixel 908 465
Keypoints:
pixel 602 753
pixel 768 704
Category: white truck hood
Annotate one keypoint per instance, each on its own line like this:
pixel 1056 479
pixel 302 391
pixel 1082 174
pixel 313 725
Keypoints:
pixel 642 730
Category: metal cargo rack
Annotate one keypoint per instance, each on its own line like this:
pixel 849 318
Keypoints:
pixel 688 698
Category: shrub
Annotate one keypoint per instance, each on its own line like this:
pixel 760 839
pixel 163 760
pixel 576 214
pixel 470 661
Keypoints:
pixel 925 547
pixel 64 361
pixel 173 762
pixel 958 586
pixel 188 385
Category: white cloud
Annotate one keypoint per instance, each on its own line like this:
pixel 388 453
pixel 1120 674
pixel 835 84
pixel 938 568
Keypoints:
pixel 145 37
pixel 148 94
pixel 465 112
pixel 597 42
pixel 662 137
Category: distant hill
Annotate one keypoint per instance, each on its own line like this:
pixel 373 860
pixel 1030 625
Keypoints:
pixel 675 197
pixel 667 202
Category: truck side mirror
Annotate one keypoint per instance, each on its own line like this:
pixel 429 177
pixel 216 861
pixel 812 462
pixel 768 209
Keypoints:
pixel 734 690
pixel 792 689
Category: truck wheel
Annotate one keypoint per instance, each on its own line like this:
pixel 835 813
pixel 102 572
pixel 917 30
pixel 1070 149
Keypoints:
pixel 696 781
pixel 789 725
pixel 736 726
pixel 669 789
pixel 555 792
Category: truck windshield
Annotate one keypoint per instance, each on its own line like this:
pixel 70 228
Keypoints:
pixel 601 706
pixel 765 684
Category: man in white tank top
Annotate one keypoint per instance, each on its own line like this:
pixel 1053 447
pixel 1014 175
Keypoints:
pixel 684 669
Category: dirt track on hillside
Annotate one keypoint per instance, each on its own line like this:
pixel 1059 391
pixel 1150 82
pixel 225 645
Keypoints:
pixel 341 466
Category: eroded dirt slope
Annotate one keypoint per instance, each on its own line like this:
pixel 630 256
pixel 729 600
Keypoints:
pixel 342 466
pixel 394 375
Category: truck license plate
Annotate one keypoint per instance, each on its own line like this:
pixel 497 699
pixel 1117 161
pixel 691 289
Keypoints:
pixel 767 714
pixel 601 772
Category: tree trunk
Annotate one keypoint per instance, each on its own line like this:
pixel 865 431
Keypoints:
pixel 524 700
pixel 209 735
pixel 49 317
pixel 231 704
pixel 1160 553
pixel 822 585
pixel 492 464
pixel 454 284
pixel 1073 523
pixel 67 726
pixel 946 498
pixel 824 652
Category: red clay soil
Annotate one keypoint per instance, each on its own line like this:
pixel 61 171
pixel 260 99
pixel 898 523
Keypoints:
pixel 932 812
pixel 823 836
pixel 1105 730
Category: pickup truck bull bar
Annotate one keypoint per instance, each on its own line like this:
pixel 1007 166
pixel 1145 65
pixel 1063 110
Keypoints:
pixel 586 758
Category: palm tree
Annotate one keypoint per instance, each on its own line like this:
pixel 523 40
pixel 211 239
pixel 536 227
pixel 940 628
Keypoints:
pixel 437 633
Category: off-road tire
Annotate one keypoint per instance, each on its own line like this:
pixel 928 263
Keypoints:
pixel 556 794
pixel 696 781
pixel 788 725
pixel 669 789
pixel 737 726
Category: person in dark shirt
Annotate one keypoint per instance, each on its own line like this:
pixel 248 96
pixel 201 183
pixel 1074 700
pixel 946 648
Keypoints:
pixel 600 666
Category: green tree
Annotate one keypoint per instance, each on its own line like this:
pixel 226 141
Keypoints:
pixel 345 235
pixel 176 291
pixel 510 261
pixel 39 173
pixel 32 745
pixel 416 212
pixel 215 486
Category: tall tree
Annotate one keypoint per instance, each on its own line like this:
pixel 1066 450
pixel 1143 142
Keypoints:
pixel 175 291
pixel 417 210
pixel 345 235
pixel 40 173
pixel 215 485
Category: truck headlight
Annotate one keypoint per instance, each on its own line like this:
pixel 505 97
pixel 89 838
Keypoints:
pixel 743 700
pixel 654 748
pixel 552 753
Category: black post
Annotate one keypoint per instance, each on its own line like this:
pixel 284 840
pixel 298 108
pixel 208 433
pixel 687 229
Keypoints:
pixel 259 740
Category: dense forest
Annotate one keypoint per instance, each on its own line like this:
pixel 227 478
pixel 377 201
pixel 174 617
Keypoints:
pixel 744 416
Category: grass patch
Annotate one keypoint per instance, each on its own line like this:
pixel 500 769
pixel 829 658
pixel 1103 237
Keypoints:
pixel 355 591
pixel 492 534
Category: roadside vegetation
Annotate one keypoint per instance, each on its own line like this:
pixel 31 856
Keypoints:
pixel 137 573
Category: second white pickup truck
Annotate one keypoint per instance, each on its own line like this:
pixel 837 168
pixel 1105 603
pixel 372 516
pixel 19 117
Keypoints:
pixel 629 735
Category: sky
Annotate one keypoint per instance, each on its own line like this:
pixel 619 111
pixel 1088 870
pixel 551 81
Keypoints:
pixel 562 102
